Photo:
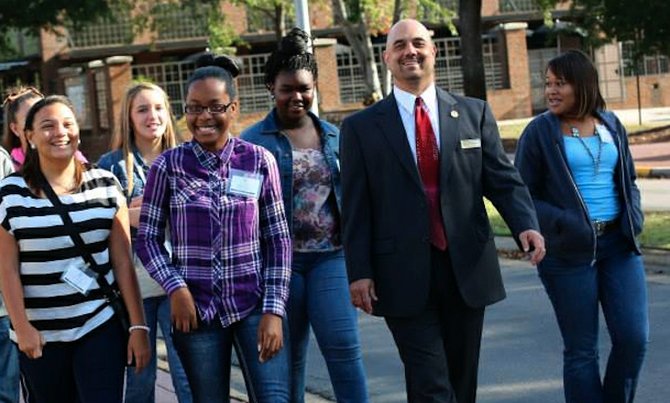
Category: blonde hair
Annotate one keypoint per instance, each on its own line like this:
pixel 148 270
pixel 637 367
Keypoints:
pixel 124 136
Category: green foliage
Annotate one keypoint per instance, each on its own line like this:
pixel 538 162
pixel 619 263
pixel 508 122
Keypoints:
pixel 645 24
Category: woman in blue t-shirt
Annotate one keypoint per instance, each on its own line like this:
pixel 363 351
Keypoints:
pixel 577 165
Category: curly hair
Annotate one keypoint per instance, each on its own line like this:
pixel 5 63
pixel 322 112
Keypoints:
pixel 292 54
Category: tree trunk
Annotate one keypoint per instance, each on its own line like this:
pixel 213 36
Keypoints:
pixel 472 60
pixel 358 37
pixel 280 24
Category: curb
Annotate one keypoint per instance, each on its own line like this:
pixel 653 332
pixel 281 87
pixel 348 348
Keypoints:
pixel 651 172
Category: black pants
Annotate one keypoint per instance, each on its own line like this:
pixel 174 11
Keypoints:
pixel 440 346
pixel 90 369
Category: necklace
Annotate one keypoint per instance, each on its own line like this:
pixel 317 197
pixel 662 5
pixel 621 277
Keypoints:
pixel 595 158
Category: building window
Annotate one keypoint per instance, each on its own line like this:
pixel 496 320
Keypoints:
pixel 518 6
pixel 173 22
pixel 649 65
pixel 111 31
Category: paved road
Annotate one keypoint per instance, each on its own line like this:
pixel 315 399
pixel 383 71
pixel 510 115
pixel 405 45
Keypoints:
pixel 521 350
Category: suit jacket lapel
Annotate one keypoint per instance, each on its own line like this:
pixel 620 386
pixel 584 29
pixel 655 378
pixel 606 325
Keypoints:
pixel 449 135
pixel 388 118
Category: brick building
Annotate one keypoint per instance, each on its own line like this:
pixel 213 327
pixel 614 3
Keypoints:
pixel 93 66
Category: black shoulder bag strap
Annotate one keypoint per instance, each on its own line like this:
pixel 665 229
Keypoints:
pixel 112 295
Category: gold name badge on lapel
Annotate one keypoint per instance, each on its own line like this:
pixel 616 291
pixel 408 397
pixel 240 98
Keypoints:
pixel 471 143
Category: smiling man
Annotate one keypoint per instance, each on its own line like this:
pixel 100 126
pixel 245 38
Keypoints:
pixel 418 244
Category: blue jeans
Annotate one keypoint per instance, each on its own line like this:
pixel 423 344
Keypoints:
pixel 320 297
pixel 9 365
pixel 206 352
pixel 141 388
pixel 617 283
pixel 88 370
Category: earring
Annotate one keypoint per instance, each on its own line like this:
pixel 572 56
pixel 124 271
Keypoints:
pixel 79 141
pixel 32 146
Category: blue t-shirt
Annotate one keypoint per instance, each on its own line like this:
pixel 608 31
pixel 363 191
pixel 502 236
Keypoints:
pixel 596 186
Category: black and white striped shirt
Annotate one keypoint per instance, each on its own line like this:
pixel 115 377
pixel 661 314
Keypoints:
pixel 46 250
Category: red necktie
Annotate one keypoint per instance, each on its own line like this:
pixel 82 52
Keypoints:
pixel 428 160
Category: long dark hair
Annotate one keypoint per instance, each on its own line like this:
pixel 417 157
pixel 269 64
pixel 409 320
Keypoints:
pixel 31 171
pixel 575 67
pixel 292 54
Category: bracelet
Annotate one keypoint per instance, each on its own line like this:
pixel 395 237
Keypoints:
pixel 138 327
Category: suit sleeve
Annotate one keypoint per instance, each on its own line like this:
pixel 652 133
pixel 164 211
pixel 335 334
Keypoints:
pixel 502 184
pixel 356 212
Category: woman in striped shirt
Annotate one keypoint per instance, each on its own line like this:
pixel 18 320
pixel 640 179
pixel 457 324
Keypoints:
pixel 72 346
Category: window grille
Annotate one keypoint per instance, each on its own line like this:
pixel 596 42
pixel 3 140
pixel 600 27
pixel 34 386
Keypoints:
pixel 111 31
pixel 518 6
pixel 649 65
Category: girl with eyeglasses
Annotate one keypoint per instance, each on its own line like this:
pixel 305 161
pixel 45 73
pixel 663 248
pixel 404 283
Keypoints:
pixel 227 277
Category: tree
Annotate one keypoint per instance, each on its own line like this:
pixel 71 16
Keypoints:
pixel 644 25
pixel 276 10
pixel 472 59
pixel 32 15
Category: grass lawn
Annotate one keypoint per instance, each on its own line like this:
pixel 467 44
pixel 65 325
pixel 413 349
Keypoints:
pixel 656 233
pixel 514 130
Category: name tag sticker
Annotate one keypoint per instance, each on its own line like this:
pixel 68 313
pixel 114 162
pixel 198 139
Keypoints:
pixel 79 277
pixel 242 183
pixel 471 143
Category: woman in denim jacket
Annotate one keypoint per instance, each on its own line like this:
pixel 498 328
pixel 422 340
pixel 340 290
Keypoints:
pixel 577 165
pixel 307 151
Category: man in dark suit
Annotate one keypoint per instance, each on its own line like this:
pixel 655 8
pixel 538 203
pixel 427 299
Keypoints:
pixel 417 239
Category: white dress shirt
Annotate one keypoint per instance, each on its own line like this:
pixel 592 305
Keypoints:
pixel 406 102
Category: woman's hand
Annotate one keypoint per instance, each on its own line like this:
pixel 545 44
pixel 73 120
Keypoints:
pixel 134 209
pixel 270 336
pixel 138 347
pixel 182 307
pixel 30 341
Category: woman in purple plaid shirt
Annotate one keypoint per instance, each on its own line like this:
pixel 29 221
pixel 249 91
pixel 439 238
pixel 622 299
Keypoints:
pixel 228 274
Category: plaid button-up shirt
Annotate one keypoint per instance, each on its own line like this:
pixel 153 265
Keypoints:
pixel 231 251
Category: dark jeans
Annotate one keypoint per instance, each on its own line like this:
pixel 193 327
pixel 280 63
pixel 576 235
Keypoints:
pixel 320 298
pixel 90 369
pixel 140 388
pixel 9 365
pixel 617 283
pixel 206 357
pixel 440 346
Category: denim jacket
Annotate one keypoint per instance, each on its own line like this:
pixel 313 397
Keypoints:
pixel 113 161
pixel 267 133
pixel 564 219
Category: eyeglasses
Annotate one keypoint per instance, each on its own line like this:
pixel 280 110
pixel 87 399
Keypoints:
pixel 213 109
pixel 16 94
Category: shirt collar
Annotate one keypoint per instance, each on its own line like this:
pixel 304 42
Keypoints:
pixel 406 100
pixel 212 160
